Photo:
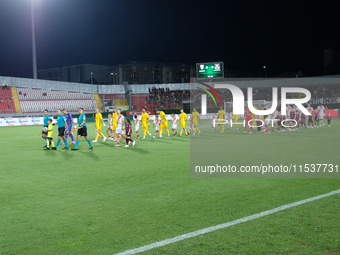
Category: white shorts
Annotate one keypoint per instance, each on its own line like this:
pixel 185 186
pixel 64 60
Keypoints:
pixel 136 128
pixel 174 126
pixel 110 127
pixel 119 130
pixel 321 116
pixel 267 121
pixel 157 128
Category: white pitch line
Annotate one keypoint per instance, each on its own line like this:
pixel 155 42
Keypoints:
pixel 224 225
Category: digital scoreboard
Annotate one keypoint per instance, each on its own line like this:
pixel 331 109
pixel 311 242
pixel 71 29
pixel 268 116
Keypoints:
pixel 210 70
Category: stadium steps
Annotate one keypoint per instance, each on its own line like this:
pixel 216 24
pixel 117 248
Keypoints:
pixel 98 102
pixel 16 100
pixel 121 102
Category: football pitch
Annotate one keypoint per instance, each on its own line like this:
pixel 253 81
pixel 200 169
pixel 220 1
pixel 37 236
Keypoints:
pixel 109 200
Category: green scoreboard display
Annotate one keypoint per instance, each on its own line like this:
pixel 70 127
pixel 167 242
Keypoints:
pixel 210 70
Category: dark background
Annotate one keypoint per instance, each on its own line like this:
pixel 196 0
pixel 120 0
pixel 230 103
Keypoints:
pixel 285 36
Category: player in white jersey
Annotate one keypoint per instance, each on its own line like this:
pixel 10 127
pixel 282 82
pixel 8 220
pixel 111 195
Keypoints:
pixel 109 130
pixel 156 124
pixel 274 115
pixel 191 125
pixel 212 119
pixel 310 110
pixel 267 120
pixel 288 114
pixel 321 110
pixel 120 126
pixel 229 118
pixel 136 125
pixel 175 121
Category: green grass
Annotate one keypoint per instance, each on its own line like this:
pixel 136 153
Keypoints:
pixel 112 199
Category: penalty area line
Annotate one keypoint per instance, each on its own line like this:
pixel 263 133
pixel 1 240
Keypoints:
pixel 224 225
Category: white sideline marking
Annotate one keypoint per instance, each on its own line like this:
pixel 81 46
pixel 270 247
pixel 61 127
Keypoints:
pixel 224 225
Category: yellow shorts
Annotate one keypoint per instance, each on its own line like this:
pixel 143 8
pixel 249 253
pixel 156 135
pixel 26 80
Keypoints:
pixel 164 125
pixel 182 124
pixel 195 123
pixel 99 128
pixel 114 127
pixel 145 126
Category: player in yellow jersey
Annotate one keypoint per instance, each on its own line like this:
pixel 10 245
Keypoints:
pixel 49 138
pixel 145 122
pixel 99 122
pixel 183 117
pixel 114 122
pixel 235 120
pixel 221 118
pixel 195 117
pixel 164 123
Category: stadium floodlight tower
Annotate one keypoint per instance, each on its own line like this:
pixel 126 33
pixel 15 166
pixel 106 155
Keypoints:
pixel 34 54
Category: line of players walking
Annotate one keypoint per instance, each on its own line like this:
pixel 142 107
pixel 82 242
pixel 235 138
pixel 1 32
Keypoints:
pixel 118 127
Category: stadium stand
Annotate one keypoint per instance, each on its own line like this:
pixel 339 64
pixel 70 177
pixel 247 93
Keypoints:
pixel 6 100
pixel 36 100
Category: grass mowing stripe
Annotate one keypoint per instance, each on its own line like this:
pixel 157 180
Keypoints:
pixel 224 225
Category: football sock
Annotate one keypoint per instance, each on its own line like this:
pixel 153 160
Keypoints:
pixel 89 142
pixel 72 137
pixel 97 136
pixel 167 130
pixel 77 144
pixel 58 142
pixel 161 131
pixel 65 141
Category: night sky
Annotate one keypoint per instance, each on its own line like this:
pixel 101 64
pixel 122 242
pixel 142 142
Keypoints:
pixel 285 36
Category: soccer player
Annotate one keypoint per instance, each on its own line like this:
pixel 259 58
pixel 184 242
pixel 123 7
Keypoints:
pixel 316 118
pixel 297 119
pixel 156 124
pixel 46 118
pixel 329 119
pixel 274 116
pixel 175 121
pixel 279 118
pixel 302 120
pixel 195 117
pixel 163 123
pixel 321 114
pixel 212 121
pixel 109 131
pixel 114 122
pixel 288 116
pixel 183 117
pixel 82 130
pixel 145 122
pixel 267 119
pixel 310 119
pixel 136 125
pixel 128 132
pixel 221 117
pixel 235 120
pixel 70 124
pixel 120 126
pixel 62 126
pixel 49 136
pixel 248 117
pixel 99 122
